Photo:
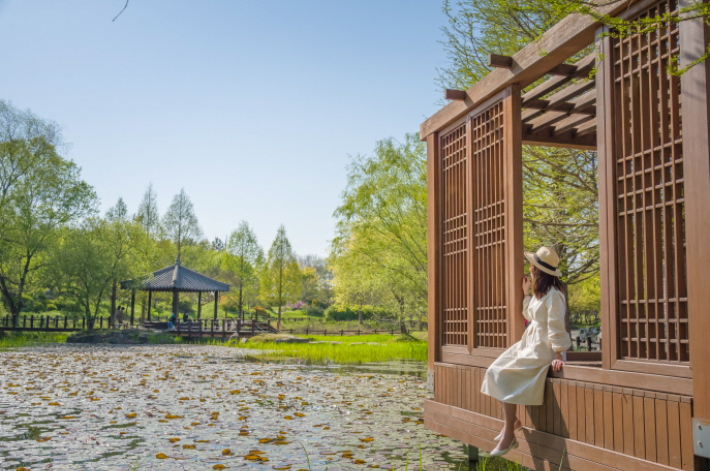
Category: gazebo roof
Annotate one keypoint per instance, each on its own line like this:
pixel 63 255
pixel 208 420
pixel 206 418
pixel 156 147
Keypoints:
pixel 178 278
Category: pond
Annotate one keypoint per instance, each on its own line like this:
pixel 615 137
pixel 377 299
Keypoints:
pixel 207 407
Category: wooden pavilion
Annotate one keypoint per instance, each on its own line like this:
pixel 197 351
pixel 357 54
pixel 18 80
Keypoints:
pixel 175 279
pixel 645 403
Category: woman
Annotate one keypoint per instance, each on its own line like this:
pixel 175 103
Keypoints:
pixel 518 375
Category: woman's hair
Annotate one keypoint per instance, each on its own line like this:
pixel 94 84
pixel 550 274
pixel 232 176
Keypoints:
pixel 543 282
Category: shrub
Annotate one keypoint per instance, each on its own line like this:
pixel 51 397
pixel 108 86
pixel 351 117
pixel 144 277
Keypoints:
pixel 350 313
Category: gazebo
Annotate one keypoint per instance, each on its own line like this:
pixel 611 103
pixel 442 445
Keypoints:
pixel 175 279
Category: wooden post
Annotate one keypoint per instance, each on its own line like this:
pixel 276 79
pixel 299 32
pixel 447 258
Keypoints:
pixel 212 328
pixel 199 304
pixel 696 162
pixel 513 177
pixel 133 306
pixel 65 322
pixel 434 243
pixel 216 300
pixel 150 302
pixel 224 328
pixel 175 302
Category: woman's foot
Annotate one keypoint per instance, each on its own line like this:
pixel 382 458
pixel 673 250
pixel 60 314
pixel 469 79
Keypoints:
pixel 507 443
pixel 517 427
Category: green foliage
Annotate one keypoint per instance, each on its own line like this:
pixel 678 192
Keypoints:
pixel 280 279
pixel 379 253
pixel 560 203
pixel 586 295
pixel 247 258
pixel 40 192
pixel 344 352
pixel 340 312
pixel 180 221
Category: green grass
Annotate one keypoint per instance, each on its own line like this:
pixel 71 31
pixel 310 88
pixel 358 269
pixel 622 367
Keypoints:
pixel 24 339
pixel 345 353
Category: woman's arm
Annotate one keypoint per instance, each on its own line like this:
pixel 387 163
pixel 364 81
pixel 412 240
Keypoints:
pixel 557 332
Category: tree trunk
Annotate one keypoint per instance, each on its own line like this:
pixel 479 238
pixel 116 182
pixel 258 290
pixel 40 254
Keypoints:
pixel 359 316
pixel 278 322
pixel 241 302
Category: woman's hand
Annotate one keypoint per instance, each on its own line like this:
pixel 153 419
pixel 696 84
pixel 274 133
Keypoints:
pixel 526 285
pixel 557 363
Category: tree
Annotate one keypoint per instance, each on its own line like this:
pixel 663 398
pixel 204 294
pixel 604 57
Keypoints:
pixel 148 215
pixel 40 192
pixel 181 222
pixel 123 240
pixel 118 212
pixel 242 244
pixel 380 246
pixel 560 191
pixel 316 279
pixel 281 278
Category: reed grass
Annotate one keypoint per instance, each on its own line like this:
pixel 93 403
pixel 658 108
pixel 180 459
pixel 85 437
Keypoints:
pixel 348 351
pixel 24 339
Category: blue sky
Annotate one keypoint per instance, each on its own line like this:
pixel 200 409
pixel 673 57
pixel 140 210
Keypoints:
pixel 254 107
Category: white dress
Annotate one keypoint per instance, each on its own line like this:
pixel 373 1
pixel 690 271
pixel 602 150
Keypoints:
pixel 518 375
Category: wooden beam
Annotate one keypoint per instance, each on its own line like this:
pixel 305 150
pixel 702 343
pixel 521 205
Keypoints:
pixel 586 128
pixel 567 140
pixel 550 85
pixel 498 61
pixel 559 43
pixel 571 123
pixel 568 70
pixel 585 104
pixel 459 95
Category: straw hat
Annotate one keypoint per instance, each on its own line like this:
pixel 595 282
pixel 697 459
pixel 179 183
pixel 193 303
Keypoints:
pixel 545 259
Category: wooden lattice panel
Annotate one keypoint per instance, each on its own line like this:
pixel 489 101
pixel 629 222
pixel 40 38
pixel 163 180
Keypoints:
pixel 489 207
pixel 454 237
pixel 650 229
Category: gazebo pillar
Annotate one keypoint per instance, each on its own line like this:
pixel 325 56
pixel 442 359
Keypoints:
pixel 199 304
pixel 133 306
pixel 150 302
pixel 175 301
pixel 216 299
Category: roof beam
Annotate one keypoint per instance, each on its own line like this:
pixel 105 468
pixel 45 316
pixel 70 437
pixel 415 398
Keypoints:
pixel 559 43
pixel 584 104
pixel 567 140
pixel 501 62
pixel 584 67
pixel 459 95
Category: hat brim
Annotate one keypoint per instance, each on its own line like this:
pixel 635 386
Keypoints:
pixel 531 258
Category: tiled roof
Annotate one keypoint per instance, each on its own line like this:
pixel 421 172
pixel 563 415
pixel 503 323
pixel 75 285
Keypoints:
pixel 178 278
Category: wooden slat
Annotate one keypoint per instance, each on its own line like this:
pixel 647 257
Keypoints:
pixel 598 416
pixel 661 430
pixel 572 401
pixel 674 450
pixel 586 64
pixel 639 427
pixel 608 419
pixel 686 436
pixel 649 407
pixel 585 104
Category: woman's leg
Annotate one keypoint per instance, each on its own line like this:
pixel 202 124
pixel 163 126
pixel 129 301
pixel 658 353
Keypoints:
pixel 510 412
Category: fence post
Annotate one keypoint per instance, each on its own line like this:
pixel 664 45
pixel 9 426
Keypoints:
pixel 391 331
pixel 358 331
pixel 212 328
pixel 224 329
pixel 341 332
pixel 306 330
pixel 24 321
pixel 32 321
pixel 65 322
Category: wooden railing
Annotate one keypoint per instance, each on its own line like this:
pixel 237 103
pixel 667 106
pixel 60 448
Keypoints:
pixel 38 323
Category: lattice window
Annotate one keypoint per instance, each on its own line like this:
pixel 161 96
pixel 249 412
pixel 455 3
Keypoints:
pixel 455 237
pixel 650 238
pixel 489 207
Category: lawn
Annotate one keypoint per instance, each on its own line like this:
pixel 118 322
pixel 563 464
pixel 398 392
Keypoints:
pixel 24 339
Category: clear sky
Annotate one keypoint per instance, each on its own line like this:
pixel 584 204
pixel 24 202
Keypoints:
pixel 254 107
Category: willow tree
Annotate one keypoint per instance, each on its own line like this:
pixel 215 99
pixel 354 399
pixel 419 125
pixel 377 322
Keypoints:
pixel 380 247
pixel 560 202
pixel 40 192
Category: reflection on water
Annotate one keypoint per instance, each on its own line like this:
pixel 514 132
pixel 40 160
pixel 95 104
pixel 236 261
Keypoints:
pixel 194 407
